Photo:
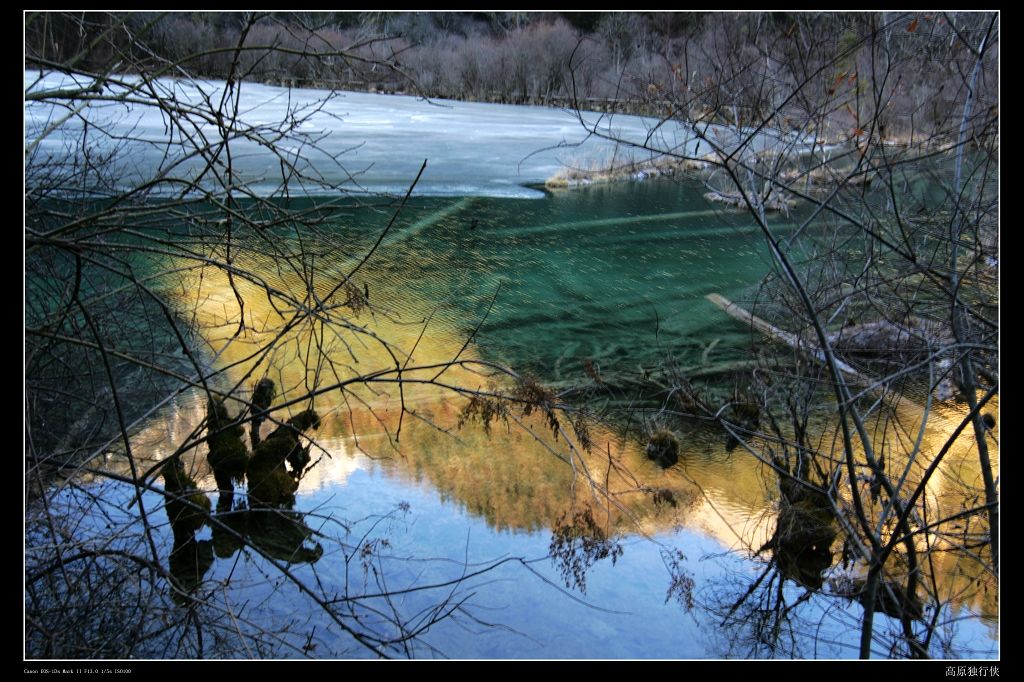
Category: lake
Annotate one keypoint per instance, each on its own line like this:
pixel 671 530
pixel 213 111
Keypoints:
pixel 444 535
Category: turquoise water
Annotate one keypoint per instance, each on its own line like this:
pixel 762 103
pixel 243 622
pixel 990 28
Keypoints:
pixel 616 274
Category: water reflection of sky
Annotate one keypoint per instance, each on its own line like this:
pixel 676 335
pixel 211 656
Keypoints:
pixel 435 539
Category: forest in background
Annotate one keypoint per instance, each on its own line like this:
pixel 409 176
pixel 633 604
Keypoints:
pixel 721 67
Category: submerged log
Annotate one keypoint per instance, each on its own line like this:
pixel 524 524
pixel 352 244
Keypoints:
pixel 810 349
pixel 788 338
pixel 655 377
pixel 883 335
pixel 773 204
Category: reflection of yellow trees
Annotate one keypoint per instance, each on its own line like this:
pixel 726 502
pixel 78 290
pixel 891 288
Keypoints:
pixel 517 474
pixel 512 476
pixel 966 583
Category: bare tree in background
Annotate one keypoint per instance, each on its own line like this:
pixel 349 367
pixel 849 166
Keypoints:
pixel 865 148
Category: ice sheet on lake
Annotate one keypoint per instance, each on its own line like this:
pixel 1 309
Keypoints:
pixel 370 142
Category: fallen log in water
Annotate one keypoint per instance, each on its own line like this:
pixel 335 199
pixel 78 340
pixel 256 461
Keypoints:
pixel 808 348
pixel 773 204
pixel 788 338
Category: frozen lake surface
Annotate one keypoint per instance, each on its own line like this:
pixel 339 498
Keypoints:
pixel 367 142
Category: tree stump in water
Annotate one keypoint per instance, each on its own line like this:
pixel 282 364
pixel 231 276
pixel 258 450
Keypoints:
pixel 270 482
